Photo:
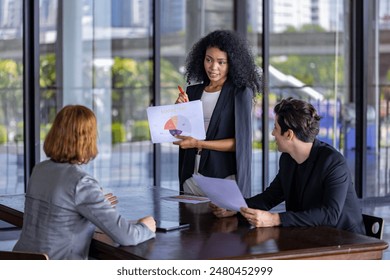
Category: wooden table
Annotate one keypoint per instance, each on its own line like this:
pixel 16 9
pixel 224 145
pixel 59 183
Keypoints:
pixel 211 238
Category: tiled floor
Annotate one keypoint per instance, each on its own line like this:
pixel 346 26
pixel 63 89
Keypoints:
pixel 9 234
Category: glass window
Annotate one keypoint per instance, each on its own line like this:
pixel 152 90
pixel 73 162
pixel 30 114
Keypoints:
pixel 254 36
pixel 182 24
pixel 307 61
pixel 99 55
pixel 11 98
pixel 378 105
pixel 307 50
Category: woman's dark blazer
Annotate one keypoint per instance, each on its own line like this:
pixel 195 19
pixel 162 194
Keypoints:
pixel 231 119
pixel 328 197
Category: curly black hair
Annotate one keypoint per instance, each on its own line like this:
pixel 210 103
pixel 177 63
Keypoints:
pixel 242 69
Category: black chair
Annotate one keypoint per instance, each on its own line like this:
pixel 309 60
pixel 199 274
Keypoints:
pixel 13 255
pixel 373 225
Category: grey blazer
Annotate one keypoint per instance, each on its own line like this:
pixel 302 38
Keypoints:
pixel 63 205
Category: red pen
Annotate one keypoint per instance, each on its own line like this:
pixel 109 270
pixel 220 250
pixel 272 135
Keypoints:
pixel 182 92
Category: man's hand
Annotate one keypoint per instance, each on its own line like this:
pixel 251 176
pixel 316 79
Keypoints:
pixel 260 218
pixel 221 212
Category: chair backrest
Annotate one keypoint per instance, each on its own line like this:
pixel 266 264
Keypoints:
pixel 373 225
pixel 14 255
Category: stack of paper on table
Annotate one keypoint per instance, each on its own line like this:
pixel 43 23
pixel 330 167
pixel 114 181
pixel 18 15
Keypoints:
pixel 192 199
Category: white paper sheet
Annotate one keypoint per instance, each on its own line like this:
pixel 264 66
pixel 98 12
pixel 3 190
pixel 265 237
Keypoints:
pixel 184 119
pixel 222 192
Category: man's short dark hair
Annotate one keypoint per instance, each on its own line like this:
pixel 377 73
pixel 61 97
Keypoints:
pixel 299 116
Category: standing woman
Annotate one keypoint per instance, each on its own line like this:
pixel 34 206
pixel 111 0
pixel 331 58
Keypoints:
pixel 64 204
pixel 221 72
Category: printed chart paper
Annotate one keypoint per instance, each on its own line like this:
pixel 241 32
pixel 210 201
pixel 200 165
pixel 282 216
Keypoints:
pixel 222 192
pixel 167 121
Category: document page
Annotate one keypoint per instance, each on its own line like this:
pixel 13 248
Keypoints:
pixel 185 119
pixel 222 192
pixel 192 199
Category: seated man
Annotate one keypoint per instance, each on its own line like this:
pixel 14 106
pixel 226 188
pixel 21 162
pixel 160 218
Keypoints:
pixel 313 178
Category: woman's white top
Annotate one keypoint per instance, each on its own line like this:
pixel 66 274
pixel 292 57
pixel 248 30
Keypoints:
pixel 209 100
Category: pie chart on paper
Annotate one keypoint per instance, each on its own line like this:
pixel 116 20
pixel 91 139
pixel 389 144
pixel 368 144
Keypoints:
pixel 177 125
